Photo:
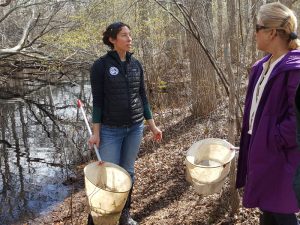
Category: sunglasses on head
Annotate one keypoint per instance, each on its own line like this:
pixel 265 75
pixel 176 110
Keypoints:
pixel 260 27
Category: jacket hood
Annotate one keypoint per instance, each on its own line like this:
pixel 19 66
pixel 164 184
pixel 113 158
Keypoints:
pixel 291 61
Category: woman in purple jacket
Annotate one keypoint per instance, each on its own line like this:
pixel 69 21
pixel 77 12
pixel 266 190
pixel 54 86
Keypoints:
pixel 268 150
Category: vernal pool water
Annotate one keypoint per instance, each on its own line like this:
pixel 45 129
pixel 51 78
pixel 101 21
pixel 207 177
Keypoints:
pixel 41 137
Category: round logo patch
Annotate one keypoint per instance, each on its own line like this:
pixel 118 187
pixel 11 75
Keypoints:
pixel 113 71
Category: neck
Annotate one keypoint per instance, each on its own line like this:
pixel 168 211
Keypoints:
pixel 122 54
pixel 278 52
pixel 277 55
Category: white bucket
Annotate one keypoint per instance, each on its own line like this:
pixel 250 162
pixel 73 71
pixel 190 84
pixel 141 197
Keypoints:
pixel 107 187
pixel 208 164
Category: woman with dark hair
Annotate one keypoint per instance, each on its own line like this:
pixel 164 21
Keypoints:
pixel 120 105
pixel 269 154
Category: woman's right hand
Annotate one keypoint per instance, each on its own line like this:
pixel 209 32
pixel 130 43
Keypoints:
pixel 94 140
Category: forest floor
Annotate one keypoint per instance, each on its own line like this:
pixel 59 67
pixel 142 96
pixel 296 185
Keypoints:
pixel 161 194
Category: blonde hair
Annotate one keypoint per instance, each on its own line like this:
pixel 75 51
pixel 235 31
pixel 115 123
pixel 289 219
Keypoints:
pixel 278 16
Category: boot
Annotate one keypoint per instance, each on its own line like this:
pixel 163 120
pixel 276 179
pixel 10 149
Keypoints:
pixel 90 220
pixel 125 218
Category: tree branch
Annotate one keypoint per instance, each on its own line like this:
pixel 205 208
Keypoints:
pixel 5 3
pixel 194 31
pixel 21 6
pixel 36 25
pixel 23 39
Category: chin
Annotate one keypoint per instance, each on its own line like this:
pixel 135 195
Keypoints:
pixel 260 48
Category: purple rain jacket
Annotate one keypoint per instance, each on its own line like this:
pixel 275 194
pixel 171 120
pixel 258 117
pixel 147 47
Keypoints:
pixel 268 158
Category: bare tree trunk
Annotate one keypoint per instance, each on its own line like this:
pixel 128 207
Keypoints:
pixel 253 46
pixel 231 55
pixel 4 156
pixel 220 24
pixel 147 51
pixel 203 76
pixel 288 3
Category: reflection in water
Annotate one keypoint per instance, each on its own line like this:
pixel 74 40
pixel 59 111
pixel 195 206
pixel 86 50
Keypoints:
pixel 40 137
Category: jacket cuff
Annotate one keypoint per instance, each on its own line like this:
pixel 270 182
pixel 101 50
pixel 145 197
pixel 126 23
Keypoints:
pixel 147 112
pixel 97 114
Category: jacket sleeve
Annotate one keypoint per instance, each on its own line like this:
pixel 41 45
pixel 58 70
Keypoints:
pixel 97 83
pixel 285 133
pixel 146 105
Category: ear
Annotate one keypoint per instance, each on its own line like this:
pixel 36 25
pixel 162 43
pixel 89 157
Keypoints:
pixel 111 40
pixel 273 33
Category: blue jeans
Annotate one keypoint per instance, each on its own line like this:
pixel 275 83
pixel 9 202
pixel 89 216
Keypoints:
pixel 120 145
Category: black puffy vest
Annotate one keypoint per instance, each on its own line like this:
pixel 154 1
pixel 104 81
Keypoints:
pixel 122 102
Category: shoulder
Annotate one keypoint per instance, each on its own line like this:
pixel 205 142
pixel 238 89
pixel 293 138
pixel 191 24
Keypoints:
pixel 291 61
pixel 98 67
pixel 255 67
pixel 136 61
pixel 258 64
pixel 261 61
pixel 290 66
pixel 99 63
pixel 133 59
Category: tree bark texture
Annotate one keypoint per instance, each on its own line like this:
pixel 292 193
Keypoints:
pixel 231 55
pixel 202 73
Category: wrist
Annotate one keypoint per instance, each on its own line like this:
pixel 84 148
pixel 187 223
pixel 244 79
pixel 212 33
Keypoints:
pixel 153 128
pixel 96 129
pixel 96 133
